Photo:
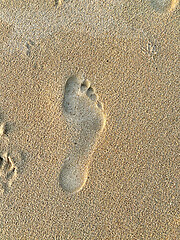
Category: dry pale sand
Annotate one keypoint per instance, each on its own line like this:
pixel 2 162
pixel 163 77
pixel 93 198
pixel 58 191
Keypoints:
pixel 69 167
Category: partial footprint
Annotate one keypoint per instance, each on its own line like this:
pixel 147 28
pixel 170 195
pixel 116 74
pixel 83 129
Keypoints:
pixel 164 5
pixel 85 116
pixel 8 172
pixel 4 140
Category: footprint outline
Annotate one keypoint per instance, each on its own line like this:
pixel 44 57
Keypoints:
pixel 84 110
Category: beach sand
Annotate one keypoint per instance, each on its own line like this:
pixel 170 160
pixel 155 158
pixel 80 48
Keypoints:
pixel 88 120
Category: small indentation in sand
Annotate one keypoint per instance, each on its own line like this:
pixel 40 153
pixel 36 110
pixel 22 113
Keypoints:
pixel 29 45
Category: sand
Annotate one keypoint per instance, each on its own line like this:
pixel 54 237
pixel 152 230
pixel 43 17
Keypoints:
pixel 89 120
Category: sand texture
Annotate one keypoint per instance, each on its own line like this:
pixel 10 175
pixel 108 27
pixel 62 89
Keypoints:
pixel 89 104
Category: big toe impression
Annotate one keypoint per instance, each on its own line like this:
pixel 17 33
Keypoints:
pixel 72 85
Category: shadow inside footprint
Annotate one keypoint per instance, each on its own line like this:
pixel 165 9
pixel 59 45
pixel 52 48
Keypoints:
pixel 1 162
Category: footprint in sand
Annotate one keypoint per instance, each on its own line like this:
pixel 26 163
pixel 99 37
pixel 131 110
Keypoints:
pixel 8 172
pixel 164 5
pixel 85 116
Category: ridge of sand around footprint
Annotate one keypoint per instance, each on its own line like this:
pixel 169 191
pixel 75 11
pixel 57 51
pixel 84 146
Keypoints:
pixel 85 113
